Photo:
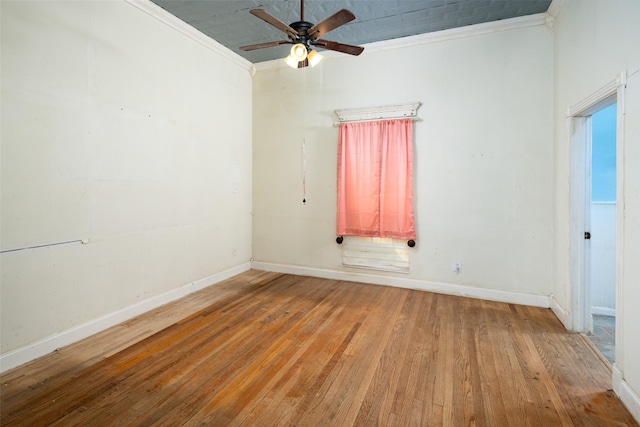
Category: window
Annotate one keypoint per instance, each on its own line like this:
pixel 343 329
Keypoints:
pixel 375 179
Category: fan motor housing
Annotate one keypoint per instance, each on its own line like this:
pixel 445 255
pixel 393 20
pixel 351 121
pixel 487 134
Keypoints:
pixel 302 27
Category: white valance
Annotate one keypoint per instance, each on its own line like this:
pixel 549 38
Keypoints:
pixel 383 112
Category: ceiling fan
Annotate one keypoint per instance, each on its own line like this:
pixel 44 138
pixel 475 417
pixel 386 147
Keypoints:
pixel 304 36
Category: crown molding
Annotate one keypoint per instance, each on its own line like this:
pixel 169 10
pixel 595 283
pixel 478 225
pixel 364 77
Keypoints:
pixel 539 19
pixel 556 7
pixel 182 27
pixel 549 21
pixel 458 33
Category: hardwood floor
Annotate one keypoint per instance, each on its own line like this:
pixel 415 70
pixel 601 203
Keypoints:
pixel 265 349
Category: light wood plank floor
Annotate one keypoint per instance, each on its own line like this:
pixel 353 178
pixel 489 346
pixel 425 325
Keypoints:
pixel 266 349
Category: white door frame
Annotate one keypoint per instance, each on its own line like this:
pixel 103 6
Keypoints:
pixel 579 120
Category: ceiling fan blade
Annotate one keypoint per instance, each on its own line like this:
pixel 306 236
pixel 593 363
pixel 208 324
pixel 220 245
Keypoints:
pixel 263 45
pixel 336 20
pixel 272 20
pixel 339 47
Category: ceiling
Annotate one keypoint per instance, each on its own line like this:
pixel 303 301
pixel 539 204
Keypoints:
pixel 229 22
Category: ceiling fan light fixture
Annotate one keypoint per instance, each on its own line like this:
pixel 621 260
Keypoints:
pixel 299 52
pixel 291 62
pixel 314 57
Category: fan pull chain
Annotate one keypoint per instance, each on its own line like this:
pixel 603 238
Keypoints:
pixel 304 171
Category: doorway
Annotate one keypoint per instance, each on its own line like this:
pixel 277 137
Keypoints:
pixel 580 119
pixel 602 229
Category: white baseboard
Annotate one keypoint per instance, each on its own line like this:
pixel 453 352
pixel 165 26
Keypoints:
pixel 603 311
pixel 625 393
pixel 563 315
pixel 443 288
pixel 30 352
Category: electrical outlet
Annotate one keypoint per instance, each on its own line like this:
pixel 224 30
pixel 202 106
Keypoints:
pixel 457 267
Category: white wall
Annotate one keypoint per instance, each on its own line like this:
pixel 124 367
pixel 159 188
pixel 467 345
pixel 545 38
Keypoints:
pixel 483 158
pixel 119 129
pixel 594 41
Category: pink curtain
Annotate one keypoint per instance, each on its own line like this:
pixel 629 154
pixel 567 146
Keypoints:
pixel 375 179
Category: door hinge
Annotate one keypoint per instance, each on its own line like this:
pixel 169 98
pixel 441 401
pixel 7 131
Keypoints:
pixel 587 235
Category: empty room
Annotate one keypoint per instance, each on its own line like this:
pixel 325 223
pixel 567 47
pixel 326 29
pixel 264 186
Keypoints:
pixel 325 212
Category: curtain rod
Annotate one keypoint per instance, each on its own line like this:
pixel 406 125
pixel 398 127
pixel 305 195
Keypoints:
pixel 46 245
